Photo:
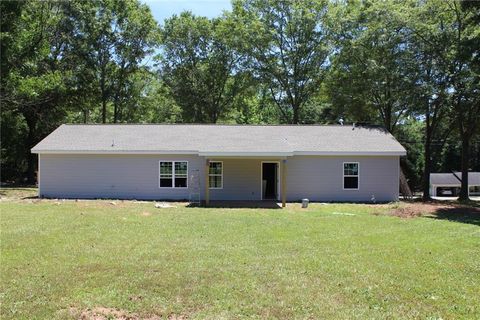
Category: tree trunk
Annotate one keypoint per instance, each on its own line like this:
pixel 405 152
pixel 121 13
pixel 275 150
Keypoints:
pixel 465 158
pixel 115 108
pixel 31 158
pixel 32 166
pixel 388 119
pixel 428 161
pixel 104 95
pixel 295 114
pixel 428 166
pixel 104 111
pixel 214 117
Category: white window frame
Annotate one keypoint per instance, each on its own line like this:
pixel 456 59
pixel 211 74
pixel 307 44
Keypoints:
pixel 351 176
pixel 173 174
pixel 215 175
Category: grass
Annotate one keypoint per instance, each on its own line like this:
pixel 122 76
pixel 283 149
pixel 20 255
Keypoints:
pixel 59 258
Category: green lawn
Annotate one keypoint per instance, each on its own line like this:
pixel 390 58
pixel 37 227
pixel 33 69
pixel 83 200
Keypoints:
pixel 61 258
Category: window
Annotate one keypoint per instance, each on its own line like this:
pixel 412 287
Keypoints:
pixel 350 175
pixel 173 174
pixel 166 174
pixel 215 175
pixel 180 174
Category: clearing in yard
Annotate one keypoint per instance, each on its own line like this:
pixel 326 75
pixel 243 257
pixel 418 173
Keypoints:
pixel 131 260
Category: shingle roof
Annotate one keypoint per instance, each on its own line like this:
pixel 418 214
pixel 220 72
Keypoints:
pixel 449 178
pixel 216 139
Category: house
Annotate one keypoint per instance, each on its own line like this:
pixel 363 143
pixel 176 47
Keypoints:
pixel 446 184
pixel 236 162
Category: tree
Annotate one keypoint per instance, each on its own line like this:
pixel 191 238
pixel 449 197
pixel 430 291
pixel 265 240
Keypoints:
pixel 109 41
pixel 431 88
pixel 449 32
pixel 411 58
pixel 49 69
pixel 373 76
pixel 10 12
pixel 200 67
pixel 287 45
pixel 33 85
pixel 152 101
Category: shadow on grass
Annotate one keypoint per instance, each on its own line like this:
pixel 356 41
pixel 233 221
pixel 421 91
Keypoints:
pixel 30 198
pixel 470 215
pixel 22 192
pixel 241 205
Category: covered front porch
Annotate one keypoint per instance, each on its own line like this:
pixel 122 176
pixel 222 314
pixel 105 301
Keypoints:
pixel 245 179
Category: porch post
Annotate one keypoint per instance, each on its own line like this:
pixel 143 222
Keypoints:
pixel 284 183
pixel 207 189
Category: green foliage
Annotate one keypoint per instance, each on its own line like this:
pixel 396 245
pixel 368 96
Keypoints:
pixel 201 68
pixel 447 33
pixel 13 129
pixel 154 104
pixel 401 59
pixel 59 58
pixel 108 41
pixel 10 11
pixel 412 136
pixel 33 87
pixel 373 77
pixel 287 45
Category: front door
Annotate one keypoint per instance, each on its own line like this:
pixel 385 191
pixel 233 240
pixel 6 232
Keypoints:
pixel 269 180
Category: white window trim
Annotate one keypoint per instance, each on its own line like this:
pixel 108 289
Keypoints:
pixel 173 174
pixel 214 175
pixel 357 176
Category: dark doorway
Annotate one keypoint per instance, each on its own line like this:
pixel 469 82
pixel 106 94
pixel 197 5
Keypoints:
pixel 269 180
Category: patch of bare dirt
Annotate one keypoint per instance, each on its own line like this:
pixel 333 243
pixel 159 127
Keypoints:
pixel 406 212
pixel 433 209
pixel 105 313
pixel 176 317
pixel 102 313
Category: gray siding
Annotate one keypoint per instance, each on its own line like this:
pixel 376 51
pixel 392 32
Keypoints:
pixel 321 178
pixel 111 176
pixel 136 177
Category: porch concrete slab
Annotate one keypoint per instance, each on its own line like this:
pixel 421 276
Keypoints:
pixel 264 204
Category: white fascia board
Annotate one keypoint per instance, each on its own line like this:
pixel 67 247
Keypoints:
pixel 301 153
pixel 350 153
pixel 228 154
pixel 112 152
pixel 245 154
